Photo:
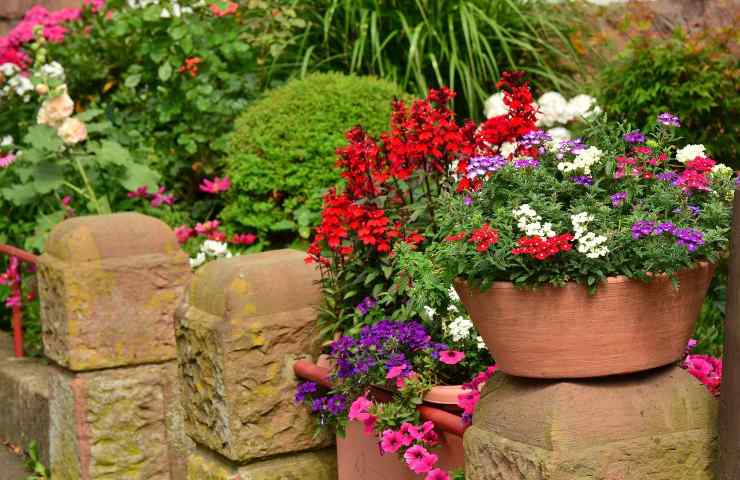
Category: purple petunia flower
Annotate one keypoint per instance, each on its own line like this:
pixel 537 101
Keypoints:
pixel 618 198
pixel 318 404
pixel 479 166
pixel 336 404
pixel 582 180
pixel 669 120
pixel 634 137
pixel 526 162
pixel 642 228
pixel 304 389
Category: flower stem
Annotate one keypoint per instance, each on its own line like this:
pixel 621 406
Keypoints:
pixel 91 193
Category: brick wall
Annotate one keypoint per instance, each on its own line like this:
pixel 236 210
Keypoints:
pixel 12 10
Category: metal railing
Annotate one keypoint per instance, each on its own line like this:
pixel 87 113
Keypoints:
pixel 16 287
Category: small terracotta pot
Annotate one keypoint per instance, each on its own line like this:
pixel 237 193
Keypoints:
pixel 551 332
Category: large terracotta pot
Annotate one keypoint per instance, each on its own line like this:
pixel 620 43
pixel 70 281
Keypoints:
pixel 627 326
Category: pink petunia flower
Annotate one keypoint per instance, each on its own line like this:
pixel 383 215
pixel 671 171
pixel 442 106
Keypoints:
pixel 359 409
pixel 437 474
pixel 369 424
pixel 395 371
pixel 183 233
pixel 707 369
pixel 215 186
pixel 451 357
pixel 419 459
pixel 392 441
pixel 409 433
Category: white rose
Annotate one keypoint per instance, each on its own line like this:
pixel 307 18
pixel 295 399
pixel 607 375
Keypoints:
pixel 495 106
pixel 690 152
pixel 55 110
pixel 553 109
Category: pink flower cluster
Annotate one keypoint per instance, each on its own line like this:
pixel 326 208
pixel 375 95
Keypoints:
pixel 409 440
pixel 11 45
pixel 468 400
pixel 12 279
pixel 157 199
pixel 211 231
pixel 215 186
pixel 707 369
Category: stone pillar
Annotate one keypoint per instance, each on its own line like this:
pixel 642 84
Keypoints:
pixel 109 287
pixel 729 468
pixel 243 323
pixel 657 425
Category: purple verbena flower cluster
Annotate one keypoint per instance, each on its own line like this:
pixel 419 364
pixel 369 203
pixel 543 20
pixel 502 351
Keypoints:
pixel 690 238
pixel 668 176
pixel 574 147
pixel 634 137
pixel 669 120
pixel 526 162
pixel 536 138
pixel 584 180
pixel 618 199
pixel 479 166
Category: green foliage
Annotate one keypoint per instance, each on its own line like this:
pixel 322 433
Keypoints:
pixel 463 44
pixel 33 464
pixel 135 67
pixel 694 78
pixel 283 152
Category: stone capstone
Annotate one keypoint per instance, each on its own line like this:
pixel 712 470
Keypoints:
pixel 310 465
pixel 657 425
pixel 116 424
pixel 109 285
pixel 243 323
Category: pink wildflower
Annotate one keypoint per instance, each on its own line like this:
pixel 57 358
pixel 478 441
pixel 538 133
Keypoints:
pixel 206 228
pixel 141 192
pixel 451 357
pixel 437 474
pixel 95 5
pixel 391 442
pixel 159 198
pixel 215 186
pixel 7 160
pixel 183 233
pixel 419 459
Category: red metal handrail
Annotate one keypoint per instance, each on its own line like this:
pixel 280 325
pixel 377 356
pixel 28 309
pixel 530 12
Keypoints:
pixel 444 420
pixel 17 316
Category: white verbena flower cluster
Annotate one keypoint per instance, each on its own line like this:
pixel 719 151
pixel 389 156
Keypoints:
pixel 583 162
pixel 461 327
pixel 210 250
pixel 530 222
pixel 723 171
pixel 690 152
pixel 589 243
pixel 170 10
pixel 14 82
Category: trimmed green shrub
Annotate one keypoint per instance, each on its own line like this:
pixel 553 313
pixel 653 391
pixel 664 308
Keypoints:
pixel 692 77
pixel 282 153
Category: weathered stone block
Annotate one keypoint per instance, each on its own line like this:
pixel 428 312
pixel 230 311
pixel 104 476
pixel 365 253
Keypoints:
pixel 117 424
pixel 109 286
pixel 244 322
pixel 659 425
pixel 312 465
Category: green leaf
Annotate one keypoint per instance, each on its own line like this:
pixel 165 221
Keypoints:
pixel 18 194
pixel 132 81
pixel 89 115
pixel 47 177
pixel 165 71
pixel 138 175
pixel 111 152
pixel 284 225
pixel 43 137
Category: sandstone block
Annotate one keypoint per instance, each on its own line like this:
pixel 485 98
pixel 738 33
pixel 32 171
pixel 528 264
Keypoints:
pixel 108 287
pixel 659 425
pixel 244 322
pixel 312 465
pixel 117 424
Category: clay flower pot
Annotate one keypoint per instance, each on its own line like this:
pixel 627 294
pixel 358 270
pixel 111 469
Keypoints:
pixel 627 326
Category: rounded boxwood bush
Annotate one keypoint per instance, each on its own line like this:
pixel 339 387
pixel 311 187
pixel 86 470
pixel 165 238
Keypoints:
pixel 282 154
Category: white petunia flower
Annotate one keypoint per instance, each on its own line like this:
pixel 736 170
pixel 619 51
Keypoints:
pixel 198 260
pixel 690 152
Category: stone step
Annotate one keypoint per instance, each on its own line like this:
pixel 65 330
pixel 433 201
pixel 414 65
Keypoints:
pixel 24 400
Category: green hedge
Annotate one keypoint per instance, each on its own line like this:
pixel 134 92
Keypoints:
pixel 282 154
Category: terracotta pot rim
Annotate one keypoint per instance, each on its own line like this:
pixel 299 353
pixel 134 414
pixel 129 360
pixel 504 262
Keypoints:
pixel 617 279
